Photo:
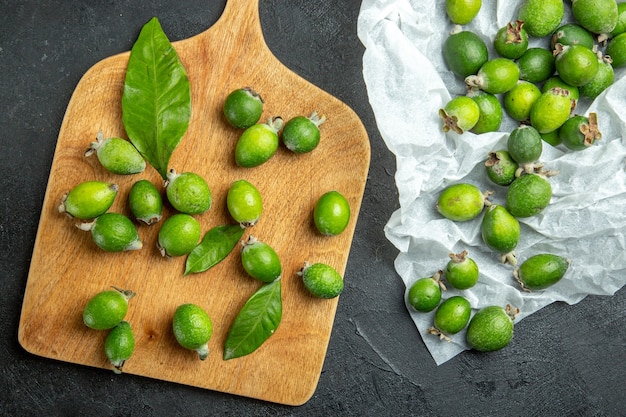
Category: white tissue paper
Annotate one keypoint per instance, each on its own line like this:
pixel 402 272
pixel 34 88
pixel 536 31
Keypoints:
pixel 407 83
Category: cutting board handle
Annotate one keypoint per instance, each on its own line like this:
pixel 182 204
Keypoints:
pixel 241 20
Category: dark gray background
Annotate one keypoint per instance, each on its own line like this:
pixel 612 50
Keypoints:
pixel 563 361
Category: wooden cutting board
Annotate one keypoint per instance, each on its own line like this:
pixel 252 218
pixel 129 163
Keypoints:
pixel 67 268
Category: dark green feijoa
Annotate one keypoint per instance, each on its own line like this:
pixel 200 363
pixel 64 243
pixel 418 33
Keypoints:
pixel 243 107
pixel 216 244
pixel 258 143
pixel 302 134
pixel 193 328
pixel 520 99
pixel 321 280
pixel 119 345
pixel 491 328
pixel 541 271
pixel 525 146
pixel 179 235
pixel 244 203
pixel 541 17
pixel 464 53
pixel 460 202
pixel 616 49
pixel 331 213
pixel 496 76
pixel 88 199
pixel 145 202
pixel 501 168
pixel 536 65
pixel 424 295
pixel 260 260
pixel 188 192
pixel 107 308
pixel 597 16
pixel 551 110
pixel 117 155
pixel 461 12
pixel 580 132
pixel 451 317
pixel 556 81
pixel 604 78
pixel 620 27
pixel 576 64
pixel 528 195
pixel 461 271
pixel 511 41
pixel 460 114
pixel 572 34
pixel 113 232
pixel 551 138
pixel 501 232
pixel 489 112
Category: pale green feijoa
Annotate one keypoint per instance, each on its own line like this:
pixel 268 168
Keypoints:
pixel 597 16
pixel 119 345
pixel 460 114
pixel 528 195
pixel 331 213
pixel 491 328
pixel 145 202
pixel 107 308
pixel 321 280
pixel 188 192
pixel 572 34
pixel 461 271
pixel 113 232
pixel 460 202
pixel 500 167
pixel 461 12
pixel 556 81
pixel 490 111
pixel 117 155
pixel 603 79
pixel 424 295
pixel 576 64
pixel 541 17
pixel 496 76
pixel 89 199
pixel 243 107
pixel 620 27
pixel 551 138
pixel 179 235
pixel 616 49
pixel 501 232
pixel 244 203
pixel 580 132
pixel 451 317
pixel 258 143
pixel 525 146
pixel 541 271
pixel 464 52
pixel 511 41
pixel 520 99
pixel 302 134
pixel 260 260
pixel 551 110
pixel 536 65
pixel 193 328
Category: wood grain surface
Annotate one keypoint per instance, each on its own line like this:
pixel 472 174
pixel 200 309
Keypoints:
pixel 67 268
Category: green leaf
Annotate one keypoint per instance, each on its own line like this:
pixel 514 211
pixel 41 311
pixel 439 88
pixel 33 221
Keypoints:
pixel 216 244
pixel 256 322
pixel 156 104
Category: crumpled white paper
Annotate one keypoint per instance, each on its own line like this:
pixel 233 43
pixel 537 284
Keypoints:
pixel 407 82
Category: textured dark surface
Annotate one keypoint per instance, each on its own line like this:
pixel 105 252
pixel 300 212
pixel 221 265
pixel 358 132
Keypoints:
pixel 564 360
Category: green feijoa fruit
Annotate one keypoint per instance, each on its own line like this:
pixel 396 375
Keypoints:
pixel 113 232
pixel 302 134
pixel 119 345
pixel 556 81
pixel 258 143
pixel 551 110
pixel 146 202
pixel 460 114
pixel 89 199
pixel 616 49
pixel 490 329
pixel 528 195
pixel 580 132
pixel 321 280
pixel 460 202
pixel 464 53
pixel 501 232
pixel 536 65
pixel 179 235
pixel 500 167
pixel 331 213
pixel 572 34
pixel 525 146
pixel 541 17
pixel 519 100
pixel 188 192
pixel 424 295
pixel 193 328
pixel 551 138
pixel 244 203
pixel 620 27
pixel 496 76
pixel 117 155
pixel 597 16
pixel 243 107
pixel 260 260
pixel 603 79
pixel 461 12
pixel 576 64
pixel 107 308
pixel 489 112
pixel 511 41
pixel 451 316
pixel 461 271
pixel 541 271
